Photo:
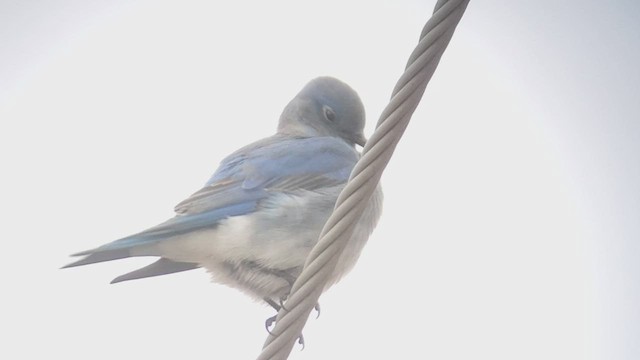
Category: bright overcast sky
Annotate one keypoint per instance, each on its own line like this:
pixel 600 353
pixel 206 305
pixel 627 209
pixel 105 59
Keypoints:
pixel 511 223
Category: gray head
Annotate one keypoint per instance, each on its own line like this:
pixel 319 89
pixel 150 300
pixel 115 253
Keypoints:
pixel 325 107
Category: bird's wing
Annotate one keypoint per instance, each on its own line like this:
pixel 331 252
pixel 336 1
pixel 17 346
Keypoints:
pixel 243 179
pixel 287 165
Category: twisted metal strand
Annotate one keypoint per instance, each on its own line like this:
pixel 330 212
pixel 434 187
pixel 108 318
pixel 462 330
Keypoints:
pixel 364 178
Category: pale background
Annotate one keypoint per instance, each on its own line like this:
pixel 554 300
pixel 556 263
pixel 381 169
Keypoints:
pixel 511 225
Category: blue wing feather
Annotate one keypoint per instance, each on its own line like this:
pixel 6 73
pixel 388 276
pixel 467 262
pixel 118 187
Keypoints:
pixel 243 180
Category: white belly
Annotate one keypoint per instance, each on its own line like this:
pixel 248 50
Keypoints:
pixel 261 252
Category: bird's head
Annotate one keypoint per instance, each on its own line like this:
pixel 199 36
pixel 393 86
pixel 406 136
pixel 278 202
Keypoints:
pixel 325 107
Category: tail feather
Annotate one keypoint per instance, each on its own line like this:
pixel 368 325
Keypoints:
pixel 134 245
pixel 160 267
pixel 99 256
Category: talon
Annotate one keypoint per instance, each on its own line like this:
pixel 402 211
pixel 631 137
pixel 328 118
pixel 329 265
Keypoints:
pixel 317 307
pixel 269 322
pixel 301 341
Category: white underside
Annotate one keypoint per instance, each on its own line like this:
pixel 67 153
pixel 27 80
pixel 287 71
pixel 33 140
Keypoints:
pixel 248 252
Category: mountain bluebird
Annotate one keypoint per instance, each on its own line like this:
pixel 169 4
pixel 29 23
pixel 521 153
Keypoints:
pixel 254 222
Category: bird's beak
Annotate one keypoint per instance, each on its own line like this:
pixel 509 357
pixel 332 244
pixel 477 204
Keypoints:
pixel 360 140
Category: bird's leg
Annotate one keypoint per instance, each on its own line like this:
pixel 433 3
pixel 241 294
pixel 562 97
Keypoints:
pixel 290 279
pixel 271 319
pixel 272 303
pixel 286 276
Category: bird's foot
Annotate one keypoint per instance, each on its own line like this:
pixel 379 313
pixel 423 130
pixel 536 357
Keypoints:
pixel 280 305
pixel 269 322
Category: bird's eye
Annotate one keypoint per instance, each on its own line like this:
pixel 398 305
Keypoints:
pixel 329 113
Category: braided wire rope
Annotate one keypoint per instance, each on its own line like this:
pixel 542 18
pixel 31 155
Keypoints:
pixel 365 176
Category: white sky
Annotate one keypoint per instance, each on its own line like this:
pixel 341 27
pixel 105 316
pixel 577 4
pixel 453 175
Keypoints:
pixel 511 222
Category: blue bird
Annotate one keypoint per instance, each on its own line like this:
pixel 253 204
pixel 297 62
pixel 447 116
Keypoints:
pixel 254 222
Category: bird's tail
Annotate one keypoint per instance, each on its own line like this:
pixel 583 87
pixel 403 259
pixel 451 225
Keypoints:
pixel 130 247
pixel 96 256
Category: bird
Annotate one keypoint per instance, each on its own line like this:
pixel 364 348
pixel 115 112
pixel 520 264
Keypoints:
pixel 257 218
